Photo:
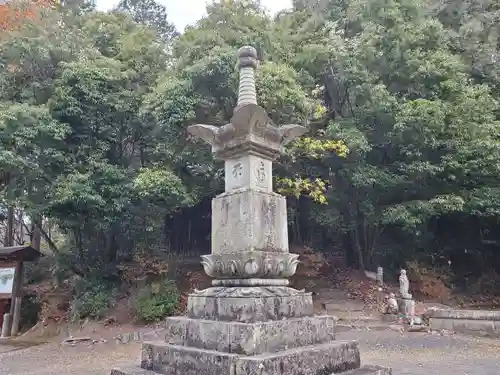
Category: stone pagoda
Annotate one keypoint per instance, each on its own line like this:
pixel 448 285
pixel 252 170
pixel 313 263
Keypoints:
pixel 250 322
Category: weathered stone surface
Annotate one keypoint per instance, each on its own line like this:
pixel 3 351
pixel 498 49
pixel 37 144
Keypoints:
pixel 480 321
pixel 389 318
pixel 131 370
pixel 369 370
pixel 249 171
pixel 249 304
pixel 249 220
pixel 463 325
pixel 404 285
pixel 406 306
pixel 250 338
pixel 338 356
pixel 464 314
pixel 250 264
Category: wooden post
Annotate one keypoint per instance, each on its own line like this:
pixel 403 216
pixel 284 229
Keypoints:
pixel 16 292
pixel 16 319
pixel 6 325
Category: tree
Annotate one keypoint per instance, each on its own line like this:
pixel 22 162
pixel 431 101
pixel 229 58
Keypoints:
pixel 149 13
pixel 14 13
pixel 401 161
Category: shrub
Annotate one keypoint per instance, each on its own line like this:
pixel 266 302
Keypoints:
pixel 93 302
pixel 30 311
pixel 157 301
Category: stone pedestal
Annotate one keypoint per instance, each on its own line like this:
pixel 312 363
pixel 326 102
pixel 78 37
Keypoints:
pixel 251 331
pixel 407 307
pixel 250 322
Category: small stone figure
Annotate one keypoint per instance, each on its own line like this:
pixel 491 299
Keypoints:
pixel 404 285
pixel 392 304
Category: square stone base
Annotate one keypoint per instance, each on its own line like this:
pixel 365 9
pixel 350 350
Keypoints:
pixel 250 338
pixel 365 370
pixel 249 304
pixel 406 307
pixel 330 358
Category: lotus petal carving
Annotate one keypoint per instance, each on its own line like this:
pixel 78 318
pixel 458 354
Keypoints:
pixel 251 264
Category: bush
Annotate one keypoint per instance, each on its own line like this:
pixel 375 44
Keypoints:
pixel 93 302
pixel 40 270
pixel 30 311
pixel 157 301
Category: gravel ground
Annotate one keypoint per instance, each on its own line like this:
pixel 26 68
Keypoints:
pixel 407 354
pixel 54 359
pixel 428 354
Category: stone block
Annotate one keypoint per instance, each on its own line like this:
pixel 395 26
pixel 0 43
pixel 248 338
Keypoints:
pixel 248 171
pixel 131 370
pixel 462 325
pixel 406 306
pixel 389 318
pixel 335 357
pixel 439 324
pixel 250 338
pixel 249 304
pixel 464 314
pixel 369 370
pixel 249 220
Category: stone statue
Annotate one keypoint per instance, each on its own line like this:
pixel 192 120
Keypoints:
pixel 392 304
pixel 404 285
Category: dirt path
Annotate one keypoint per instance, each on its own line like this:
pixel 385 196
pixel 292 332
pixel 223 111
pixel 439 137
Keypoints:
pixel 407 354
pixel 52 359
pixel 424 354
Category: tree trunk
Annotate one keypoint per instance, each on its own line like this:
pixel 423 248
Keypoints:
pixel 36 236
pixel 9 232
pixel 357 249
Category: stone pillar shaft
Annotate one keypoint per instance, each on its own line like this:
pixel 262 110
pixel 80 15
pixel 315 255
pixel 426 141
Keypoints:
pixel 249 220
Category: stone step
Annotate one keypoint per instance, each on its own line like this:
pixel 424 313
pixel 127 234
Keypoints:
pixel 365 370
pixel 250 338
pixel 369 370
pixel 168 359
pixel 131 370
pixel 344 307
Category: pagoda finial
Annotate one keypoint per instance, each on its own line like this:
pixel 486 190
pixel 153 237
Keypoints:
pixel 247 63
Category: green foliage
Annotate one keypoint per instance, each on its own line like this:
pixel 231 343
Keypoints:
pixel 30 311
pixel 402 161
pixel 91 300
pixel 151 14
pixel 157 301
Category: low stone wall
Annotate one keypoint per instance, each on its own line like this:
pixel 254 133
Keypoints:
pixel 465 321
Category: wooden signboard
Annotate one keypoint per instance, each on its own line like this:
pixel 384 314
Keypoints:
pixel 7 276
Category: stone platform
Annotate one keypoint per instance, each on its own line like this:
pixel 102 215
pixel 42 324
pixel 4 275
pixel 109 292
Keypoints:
pixel 251 331
pixel 338 357
pixel 249 304
pixel 333 357
pixel 250 338
pixel 365 370
pixel 465 321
